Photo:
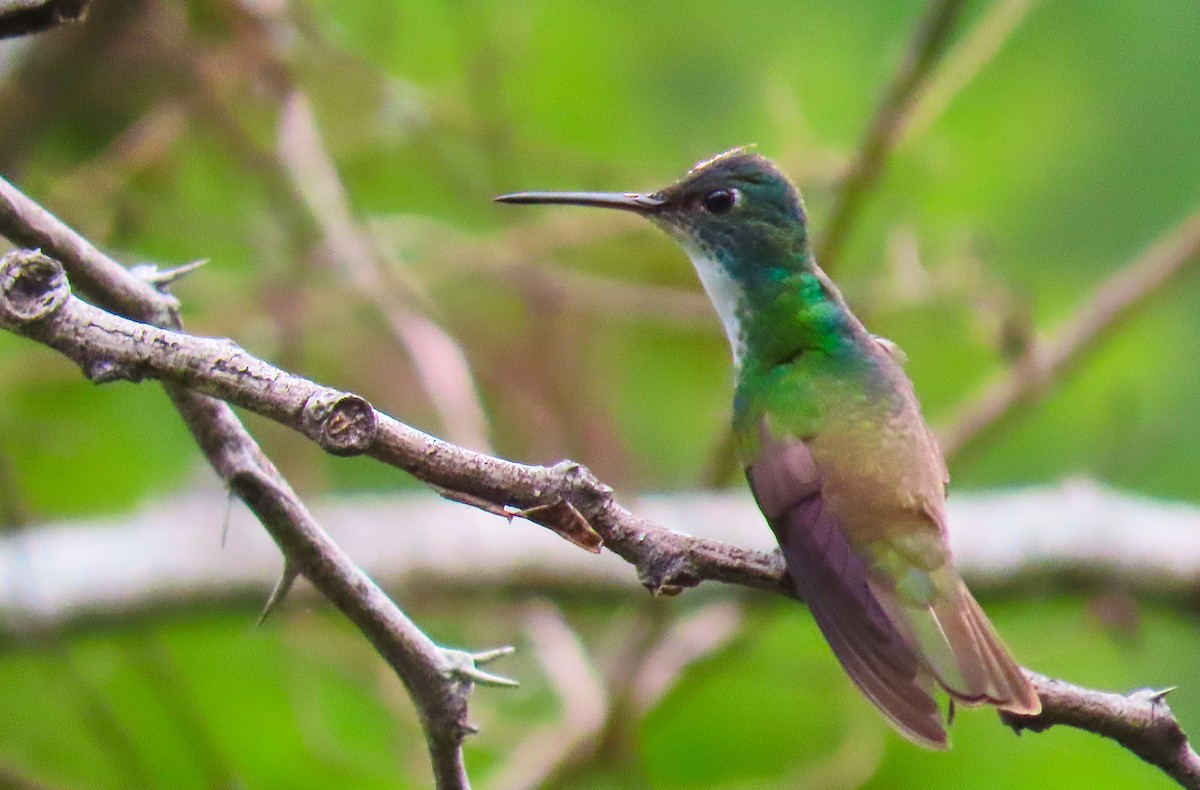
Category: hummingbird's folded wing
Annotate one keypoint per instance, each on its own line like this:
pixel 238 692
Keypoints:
pixel 897 642
pixel 833 580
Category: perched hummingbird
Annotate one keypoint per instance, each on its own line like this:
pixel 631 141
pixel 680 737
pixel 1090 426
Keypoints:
pixel 835 449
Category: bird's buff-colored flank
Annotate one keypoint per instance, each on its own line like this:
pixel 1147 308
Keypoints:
pixel 835 449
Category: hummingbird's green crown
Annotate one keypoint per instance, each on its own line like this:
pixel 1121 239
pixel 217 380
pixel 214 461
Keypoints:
pixel 719 196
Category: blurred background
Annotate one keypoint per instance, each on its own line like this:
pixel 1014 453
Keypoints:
pixel 335 162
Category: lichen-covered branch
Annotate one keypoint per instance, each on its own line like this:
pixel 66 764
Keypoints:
pixel 35 301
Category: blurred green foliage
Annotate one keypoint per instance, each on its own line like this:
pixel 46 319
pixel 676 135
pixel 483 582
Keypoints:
pixel 151 129
pixel 205 701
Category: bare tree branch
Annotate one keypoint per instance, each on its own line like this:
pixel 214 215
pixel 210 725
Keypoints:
pixel 109 348
pixel 1114 301
pixel 928 43
pixel 1141 722
pixel 438 680
pixel 35 301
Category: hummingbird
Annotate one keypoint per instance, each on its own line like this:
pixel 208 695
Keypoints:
pixel 834 447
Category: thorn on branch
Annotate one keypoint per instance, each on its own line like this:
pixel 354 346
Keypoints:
pixel 463 498
pixel 464 667
pixel 1158 696
pixel 488 656
pixel 284 585
pixel 161 280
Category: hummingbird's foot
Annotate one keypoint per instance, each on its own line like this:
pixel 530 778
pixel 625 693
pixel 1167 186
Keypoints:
pixel 464 667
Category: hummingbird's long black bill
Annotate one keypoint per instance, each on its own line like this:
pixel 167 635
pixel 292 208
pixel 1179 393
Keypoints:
pixel 627 201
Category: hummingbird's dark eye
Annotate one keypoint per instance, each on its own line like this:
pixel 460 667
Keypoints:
pixel 720 201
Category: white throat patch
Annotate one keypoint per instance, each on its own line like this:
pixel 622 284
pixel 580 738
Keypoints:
pixel 724 292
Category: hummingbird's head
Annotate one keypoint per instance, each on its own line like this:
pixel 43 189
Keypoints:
pixel 738 217
pixel 731 204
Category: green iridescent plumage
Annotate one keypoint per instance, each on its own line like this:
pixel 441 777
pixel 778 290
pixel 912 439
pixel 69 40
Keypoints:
pixel 835 449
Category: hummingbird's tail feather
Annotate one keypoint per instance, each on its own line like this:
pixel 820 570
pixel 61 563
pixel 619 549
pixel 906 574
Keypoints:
pixel 960 648
pixel 1006 686
pixel 832 579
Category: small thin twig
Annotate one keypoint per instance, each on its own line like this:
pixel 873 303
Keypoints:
pixel 1114 302
pixel 35 301
pixel 928 44
pixel 283 585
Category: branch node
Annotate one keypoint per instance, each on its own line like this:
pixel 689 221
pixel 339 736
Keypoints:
pixel 580 481
pixel 32 287
pixel 667 575
pixel 100 370
pixel 463 498
pixel 340 422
